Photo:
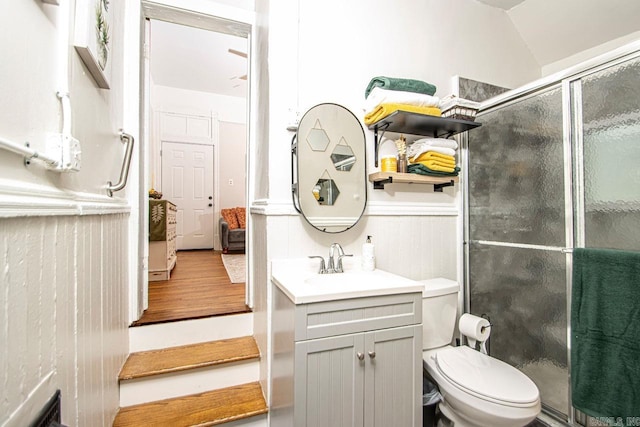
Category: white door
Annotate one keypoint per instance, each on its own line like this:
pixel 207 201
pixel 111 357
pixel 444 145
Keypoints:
pixel 187 181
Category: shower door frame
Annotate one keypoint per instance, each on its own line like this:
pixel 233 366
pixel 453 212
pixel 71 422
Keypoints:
pixel 570 82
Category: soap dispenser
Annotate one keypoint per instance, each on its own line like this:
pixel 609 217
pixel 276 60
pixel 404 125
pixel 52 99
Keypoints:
pixel 368 255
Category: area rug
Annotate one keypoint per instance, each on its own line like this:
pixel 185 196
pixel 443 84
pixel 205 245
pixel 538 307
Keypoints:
pixel 235 266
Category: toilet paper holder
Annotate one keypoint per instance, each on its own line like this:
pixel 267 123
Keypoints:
pixel 486 316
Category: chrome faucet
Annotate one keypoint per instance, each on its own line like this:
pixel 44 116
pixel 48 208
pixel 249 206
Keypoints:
pixel 332 265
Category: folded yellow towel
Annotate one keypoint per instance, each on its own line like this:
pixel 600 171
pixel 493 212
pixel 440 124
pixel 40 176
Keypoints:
pixel 436 166
pixel 432 155
pixel 383 110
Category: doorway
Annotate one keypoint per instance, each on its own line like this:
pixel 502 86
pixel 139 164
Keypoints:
pixel 184 162
pixel 187 181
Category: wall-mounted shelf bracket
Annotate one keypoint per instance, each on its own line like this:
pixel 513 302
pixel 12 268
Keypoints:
pixel 438 187
pixel 377 140
pixel 379 185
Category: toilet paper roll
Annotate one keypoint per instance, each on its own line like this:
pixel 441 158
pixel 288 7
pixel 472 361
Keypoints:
pixel 474 328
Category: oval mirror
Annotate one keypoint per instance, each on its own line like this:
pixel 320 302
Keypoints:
pixel 331 187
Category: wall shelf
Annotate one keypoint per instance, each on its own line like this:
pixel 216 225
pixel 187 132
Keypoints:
pixel 418 124
pixel 380 179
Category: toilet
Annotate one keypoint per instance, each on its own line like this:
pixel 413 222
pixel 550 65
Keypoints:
pixel 477 389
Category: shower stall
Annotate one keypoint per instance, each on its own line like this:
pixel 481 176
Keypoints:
pixel 555 165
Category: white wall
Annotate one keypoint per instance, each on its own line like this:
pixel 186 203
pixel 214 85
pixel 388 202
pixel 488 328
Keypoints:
pixel 63 242
pixel 232 174
pixel 431 41
pixel 226 108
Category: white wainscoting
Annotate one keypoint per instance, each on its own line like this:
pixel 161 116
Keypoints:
pixel 63 307
pixel 416 247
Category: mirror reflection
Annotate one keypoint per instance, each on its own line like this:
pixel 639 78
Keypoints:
pixel 326 191
pixel 343 156
pixel 330 168
pixel 317 138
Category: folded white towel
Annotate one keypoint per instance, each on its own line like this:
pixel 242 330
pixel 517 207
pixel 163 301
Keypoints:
pixel 415 150
pixel 438 142
pixel 379 96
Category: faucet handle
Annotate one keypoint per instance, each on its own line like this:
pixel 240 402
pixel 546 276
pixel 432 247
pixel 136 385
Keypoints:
pixel 339 268
pixel 322 269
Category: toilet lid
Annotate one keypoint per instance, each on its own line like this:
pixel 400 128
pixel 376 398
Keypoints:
pixel 485 376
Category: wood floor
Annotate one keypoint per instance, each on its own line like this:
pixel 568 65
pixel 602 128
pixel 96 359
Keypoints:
pixel 199 287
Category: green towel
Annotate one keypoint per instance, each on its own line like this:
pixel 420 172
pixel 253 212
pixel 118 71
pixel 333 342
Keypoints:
pixel 407 85
pixel 420 169
pixel 605 333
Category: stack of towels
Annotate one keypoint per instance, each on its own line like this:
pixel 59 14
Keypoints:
pixel 386 95
pixel 433 156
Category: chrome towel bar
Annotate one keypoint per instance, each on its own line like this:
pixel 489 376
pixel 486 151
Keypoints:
pixel 522 246
pixel 124 173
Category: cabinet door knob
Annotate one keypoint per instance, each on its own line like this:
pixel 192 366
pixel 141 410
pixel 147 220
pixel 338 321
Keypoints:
pixel 360 356
pixel 372 354
pixel 210 204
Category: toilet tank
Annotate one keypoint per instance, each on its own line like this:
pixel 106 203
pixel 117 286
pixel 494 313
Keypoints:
pixel 439 308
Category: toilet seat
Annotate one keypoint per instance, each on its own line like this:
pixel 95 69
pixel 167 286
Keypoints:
pixel 486 377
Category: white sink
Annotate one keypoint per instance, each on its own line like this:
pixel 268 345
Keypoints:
pixel 300 281
pixel 349 278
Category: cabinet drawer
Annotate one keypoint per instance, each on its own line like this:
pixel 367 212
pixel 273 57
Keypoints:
pixel 331 318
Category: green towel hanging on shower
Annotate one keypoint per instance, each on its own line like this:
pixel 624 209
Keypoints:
pixel 605 333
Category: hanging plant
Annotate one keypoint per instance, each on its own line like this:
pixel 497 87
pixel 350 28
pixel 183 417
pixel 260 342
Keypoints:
pixel 102 33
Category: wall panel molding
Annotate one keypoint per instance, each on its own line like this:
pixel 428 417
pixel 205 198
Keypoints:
pixel 19 199
pixel 272 207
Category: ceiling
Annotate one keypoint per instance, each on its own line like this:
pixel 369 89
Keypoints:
pixel 195 59
pixel 502 4
pixel 556 29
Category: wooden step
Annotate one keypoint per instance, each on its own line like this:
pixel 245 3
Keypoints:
pixel 192 356
pixel 204 409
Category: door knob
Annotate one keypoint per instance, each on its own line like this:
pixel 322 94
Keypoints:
pixel 372 354
pixel 210 197
pixel 360 356
pixel 210 204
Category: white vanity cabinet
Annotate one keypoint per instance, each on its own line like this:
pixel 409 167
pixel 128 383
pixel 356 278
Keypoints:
pixel 348 362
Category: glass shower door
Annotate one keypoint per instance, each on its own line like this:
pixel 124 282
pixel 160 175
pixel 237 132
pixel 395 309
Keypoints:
pixel 517 230
pixel 609 203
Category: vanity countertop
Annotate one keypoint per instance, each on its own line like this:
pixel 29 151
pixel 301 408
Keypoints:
pixel 300 281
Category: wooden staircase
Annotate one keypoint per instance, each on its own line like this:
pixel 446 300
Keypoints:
pixel 193 382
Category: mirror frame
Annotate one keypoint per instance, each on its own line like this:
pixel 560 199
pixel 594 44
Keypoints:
pixel 295 170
